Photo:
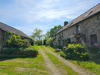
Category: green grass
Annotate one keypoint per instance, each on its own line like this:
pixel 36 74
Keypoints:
pixel 94 67
pixel 23 66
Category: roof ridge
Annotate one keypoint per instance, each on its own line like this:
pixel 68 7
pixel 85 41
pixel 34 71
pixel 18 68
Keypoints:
pixel 80 16
pixel 11 27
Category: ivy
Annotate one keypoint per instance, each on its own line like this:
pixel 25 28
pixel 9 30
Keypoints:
pixel 6 36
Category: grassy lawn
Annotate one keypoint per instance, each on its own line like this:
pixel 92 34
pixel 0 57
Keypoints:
pixel 23 66
pixel 59 63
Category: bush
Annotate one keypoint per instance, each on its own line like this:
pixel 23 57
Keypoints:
pixel 58 46
pixel 49 41
pixel 94 52
pixel 38 42
pixel 17 42
pixel 76 52
pixel 62 54
pixel 10 50
pixel 20 51
pixel 57 50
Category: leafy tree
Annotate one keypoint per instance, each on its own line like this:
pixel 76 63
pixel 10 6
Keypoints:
pixel 49 41
pixel 54 30
pixel 47 35
pixel 37 34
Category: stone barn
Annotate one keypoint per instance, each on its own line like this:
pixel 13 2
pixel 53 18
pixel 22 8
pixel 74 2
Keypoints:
pixel 6 28
pixel 84 29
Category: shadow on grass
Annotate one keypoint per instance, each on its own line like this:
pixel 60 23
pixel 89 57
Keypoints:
pixel 12 56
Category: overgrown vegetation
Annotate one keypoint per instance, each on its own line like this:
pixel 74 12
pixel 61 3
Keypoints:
pixel 92 53
pixel 16 45
pixel 15 41
pixel 75 52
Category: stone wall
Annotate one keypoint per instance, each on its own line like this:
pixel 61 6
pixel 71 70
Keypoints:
pixel 88 27
pixel 1 39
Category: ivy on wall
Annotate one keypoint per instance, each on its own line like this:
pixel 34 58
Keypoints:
pixel 6 36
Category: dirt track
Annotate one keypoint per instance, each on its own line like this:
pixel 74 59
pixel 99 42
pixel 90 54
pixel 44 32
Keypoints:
pixel 53 70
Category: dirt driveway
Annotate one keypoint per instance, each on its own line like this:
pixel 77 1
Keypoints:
pixel 54 70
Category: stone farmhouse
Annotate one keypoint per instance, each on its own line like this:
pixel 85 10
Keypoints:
pixel 84 29
pixel 5 28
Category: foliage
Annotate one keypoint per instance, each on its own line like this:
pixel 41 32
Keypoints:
pixel 52 31
pixel 57 50
pixel 20 51
pixel 47 35
pixel 27 51
pixel 94 52
pixel 38 42
pixel 49 41
pixel 16 41
pixel 58 46
pixel 6 36
pixel 62 54
pixel 37 34
pixel 76 52
pixel 10 50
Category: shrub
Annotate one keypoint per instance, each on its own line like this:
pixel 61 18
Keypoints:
pixel 94 52
pixel 10 50
pixel 20 51
pixel 17 42
pixel 38 42
pixel 62 54
pixel 58 46
pixel 76 52
pixel 57 50
pixel 49 41
pixel 27 51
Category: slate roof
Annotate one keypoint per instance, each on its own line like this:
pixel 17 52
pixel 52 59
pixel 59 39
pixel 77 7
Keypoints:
pixel 87 14
pixel 7 28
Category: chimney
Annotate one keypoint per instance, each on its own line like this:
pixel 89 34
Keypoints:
pixel 65 23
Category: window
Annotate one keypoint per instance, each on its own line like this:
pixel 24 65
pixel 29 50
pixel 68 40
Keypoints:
pixel 78 29
pixel 93 39
pixel 88 13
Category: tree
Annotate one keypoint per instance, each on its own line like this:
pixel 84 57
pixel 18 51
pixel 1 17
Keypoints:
pixel 37 34
pixel 47 35
pixel 49 41
pixel 54 30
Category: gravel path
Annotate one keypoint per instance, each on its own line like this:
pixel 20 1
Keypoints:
pixel 52 69
pixel 76 68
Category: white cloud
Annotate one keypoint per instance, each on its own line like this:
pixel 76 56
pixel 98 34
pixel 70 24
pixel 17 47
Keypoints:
pixel 31 11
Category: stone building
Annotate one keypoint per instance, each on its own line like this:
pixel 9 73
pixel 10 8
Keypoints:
pixel 5 28
pixel 84 29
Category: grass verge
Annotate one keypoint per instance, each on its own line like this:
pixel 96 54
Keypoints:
pixel 92 66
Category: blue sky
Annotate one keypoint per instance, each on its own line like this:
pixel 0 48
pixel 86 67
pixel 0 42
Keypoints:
pixel 26 15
